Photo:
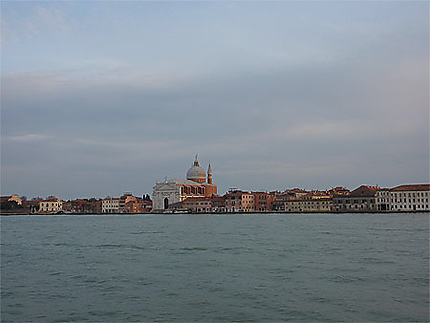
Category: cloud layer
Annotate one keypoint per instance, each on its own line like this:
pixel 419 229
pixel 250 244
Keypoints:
pixel 338 98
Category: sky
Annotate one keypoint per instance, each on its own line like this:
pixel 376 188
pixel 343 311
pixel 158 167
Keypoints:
pixel 99 98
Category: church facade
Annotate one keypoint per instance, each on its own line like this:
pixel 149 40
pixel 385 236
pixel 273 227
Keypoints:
pixel 197 184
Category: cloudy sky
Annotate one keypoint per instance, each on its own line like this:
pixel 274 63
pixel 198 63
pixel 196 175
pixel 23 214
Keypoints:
pixel 99 98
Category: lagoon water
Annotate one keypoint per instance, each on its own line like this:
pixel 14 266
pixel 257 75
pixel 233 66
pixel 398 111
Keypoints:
pixel 215 268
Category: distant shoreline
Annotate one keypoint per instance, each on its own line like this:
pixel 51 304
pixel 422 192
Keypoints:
pixel 205 213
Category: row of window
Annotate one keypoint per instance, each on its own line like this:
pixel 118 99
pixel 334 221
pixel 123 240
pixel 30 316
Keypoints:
pixel 47 204
pixel 410 207
pixel 348 201
pixel 313 202
pixel 356 206
pixel 192 190
pixel 233 197
pixel 411 200
pixel 418 194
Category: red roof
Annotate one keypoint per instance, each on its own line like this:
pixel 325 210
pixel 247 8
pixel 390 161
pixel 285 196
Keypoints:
pixel 362 191
pixel 411 187
pixel 51 200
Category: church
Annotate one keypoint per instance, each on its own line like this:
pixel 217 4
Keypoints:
pixel 197 184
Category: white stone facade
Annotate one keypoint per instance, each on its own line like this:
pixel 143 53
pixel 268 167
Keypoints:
pixel 383 199
pixel 409 199
pixel 165 194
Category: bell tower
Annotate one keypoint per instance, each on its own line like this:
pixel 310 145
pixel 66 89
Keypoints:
pixel 209 174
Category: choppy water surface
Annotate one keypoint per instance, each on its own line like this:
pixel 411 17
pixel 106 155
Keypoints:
pixel 302 268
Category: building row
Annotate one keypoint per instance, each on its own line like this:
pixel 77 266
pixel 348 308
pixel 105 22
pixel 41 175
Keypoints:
pixel 403 198
pixel 124 204
pixel 197 193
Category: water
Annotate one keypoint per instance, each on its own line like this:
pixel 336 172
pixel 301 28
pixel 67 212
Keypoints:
pixel 242 268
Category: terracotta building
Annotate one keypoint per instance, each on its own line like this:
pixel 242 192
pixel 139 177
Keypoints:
pixel 239 201
pixel 263 201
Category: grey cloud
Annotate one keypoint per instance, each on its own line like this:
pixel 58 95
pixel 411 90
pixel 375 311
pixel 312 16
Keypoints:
pixel 260 128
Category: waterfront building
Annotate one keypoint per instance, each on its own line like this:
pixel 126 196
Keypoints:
pixel 196 204
pixel 138 206
pixel 50 206
pixel 218 203
pixel 213 204
pixel 383 199
pixel 412 197
pixel 279 202
pixel 239 201
pixel 174 191
pixel 362 199
pixel 263 201
pixel 110 205
pixel 79 206
pixel 319 204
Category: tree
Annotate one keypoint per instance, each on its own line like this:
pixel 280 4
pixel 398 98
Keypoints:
pixel 10 205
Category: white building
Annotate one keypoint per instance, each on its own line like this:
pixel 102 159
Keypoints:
pixel 410 197
pixel 165 194
pixel 111 205
pixel 383 199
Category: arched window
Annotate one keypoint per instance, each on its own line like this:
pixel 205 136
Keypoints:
pixel 166 203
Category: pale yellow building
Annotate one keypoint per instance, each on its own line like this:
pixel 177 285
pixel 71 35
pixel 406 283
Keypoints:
pixel 309 205
pixel 50 206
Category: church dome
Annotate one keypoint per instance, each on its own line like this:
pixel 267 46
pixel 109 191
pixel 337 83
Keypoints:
pixel 196 173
